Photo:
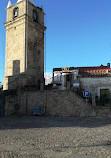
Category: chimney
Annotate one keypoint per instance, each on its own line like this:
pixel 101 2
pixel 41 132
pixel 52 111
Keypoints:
pixel 108 64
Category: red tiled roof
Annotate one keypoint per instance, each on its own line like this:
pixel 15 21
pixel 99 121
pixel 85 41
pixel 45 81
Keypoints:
pixel 89 71
pixel 94 69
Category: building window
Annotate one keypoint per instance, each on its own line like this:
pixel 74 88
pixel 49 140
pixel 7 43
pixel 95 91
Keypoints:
pixel 15 12
pixel 35 15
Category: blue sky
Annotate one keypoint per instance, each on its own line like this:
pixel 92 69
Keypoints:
pixel 78 32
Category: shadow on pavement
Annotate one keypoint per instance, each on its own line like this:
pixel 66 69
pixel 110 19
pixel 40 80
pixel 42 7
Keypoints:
pixel 26 122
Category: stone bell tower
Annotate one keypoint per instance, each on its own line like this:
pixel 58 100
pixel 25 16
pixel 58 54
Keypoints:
pixel 24 57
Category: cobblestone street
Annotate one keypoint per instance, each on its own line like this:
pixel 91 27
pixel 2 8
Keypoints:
pixel 51 137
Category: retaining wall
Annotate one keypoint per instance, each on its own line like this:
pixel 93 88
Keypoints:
pixel 56 102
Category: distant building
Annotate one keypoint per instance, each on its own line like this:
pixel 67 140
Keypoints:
pixel 65 77
pixel 96 80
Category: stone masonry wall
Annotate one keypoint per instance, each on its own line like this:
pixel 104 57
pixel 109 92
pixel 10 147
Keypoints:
pixel 55 102
pixel 15 42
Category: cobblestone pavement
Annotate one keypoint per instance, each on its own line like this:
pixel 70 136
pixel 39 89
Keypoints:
pixel 55 137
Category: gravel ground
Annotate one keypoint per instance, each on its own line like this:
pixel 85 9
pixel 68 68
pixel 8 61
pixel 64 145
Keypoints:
pixel 55 137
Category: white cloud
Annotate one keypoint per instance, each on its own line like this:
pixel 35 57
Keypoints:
pixel 48 77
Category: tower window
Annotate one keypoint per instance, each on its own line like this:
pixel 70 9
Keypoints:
pixel 15 12
pixel 35 15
